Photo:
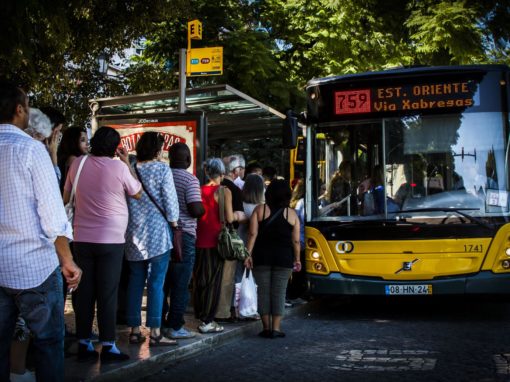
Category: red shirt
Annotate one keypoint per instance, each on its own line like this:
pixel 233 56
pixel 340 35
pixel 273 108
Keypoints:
pixel 209 225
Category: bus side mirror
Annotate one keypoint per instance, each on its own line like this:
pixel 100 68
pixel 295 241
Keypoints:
pixel 290 130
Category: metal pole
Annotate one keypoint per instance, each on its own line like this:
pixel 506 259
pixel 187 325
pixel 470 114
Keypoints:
pixel 182 81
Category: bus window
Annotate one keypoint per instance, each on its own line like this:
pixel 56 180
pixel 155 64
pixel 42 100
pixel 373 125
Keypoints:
pixel 439 162
pixel 355 154
pixel 421 162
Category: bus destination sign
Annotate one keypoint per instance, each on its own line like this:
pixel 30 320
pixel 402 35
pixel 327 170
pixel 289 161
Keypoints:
pixel 442 95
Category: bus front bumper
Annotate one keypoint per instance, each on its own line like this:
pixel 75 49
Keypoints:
pixel 484 282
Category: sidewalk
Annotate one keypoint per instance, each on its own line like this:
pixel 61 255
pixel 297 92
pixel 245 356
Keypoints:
pixel 145 360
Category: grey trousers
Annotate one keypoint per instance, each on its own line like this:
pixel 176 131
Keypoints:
pixel 272 285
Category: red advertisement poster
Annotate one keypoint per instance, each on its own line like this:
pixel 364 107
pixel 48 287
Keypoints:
pixel 173 132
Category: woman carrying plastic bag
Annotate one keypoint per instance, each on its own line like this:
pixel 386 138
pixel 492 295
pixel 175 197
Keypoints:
pixel 275 250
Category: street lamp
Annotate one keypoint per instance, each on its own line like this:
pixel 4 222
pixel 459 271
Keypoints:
pixel 102 63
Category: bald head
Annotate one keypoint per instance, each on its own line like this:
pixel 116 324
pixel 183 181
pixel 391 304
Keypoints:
pixel 179 155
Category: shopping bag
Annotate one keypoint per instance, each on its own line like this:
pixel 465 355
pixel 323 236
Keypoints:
pixel 248 295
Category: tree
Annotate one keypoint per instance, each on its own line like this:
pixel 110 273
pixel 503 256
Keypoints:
pixel 333 37
pixel 251 61
pixel 50 47
pixel 271 47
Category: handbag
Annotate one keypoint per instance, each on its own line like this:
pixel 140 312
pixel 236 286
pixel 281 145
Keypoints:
pixel 230 244
pixel 69 207
pixel 177 244
pixel 176 254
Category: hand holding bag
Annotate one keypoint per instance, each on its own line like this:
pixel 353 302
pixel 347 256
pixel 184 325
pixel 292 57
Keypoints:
pixel 230 244
pixel 248 295
pixel 69 207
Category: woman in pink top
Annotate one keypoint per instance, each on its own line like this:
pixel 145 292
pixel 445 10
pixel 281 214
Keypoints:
pixel 208 263
pixel 100 222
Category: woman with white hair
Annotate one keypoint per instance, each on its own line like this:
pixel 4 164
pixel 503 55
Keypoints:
pixel 208 263
pixel 39 125
pixel 40 128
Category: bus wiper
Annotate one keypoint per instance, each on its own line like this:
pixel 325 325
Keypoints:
pixel 458 211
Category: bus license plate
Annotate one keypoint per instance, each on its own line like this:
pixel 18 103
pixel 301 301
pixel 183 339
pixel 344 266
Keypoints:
pixel 403 289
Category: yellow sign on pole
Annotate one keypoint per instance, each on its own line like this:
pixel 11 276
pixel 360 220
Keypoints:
pixel 194 30
pixel 204 62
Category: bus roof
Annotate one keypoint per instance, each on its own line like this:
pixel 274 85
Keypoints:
pixel 403 72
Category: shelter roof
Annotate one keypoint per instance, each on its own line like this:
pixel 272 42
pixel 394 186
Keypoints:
pixel 231 114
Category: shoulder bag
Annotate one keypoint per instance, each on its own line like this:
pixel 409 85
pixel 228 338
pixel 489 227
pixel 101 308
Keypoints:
pixel 176 231
pixel 69 207
pixel 230 245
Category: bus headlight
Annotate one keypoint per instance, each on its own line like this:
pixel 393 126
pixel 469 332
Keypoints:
pixel 311 243
pixel 505 264
pixel 507 251
pixel 319 266
pixel 316 255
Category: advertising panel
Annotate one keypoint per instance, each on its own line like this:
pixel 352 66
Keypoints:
pixel 184 131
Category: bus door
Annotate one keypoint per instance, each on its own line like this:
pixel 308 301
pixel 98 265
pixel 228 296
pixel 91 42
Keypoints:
pixel 354 154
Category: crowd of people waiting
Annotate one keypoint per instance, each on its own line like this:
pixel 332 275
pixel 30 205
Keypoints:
pixel 127 210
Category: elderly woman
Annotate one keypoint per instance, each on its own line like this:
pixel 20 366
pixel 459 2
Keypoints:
pixel 148 238
pixel 100 222
pixel 208 264
pixel 41 129
pixel 273 243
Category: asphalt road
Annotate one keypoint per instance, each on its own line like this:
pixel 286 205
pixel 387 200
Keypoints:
pixel 368 339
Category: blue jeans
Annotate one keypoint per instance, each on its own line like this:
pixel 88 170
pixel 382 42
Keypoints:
pixel 154 271
pixel 177 285
pixel 42 308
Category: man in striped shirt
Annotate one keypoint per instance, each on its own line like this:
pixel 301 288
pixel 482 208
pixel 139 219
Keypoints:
pixel 179 272
pixel 34 233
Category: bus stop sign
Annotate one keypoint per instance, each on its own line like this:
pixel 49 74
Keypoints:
pixel 204 62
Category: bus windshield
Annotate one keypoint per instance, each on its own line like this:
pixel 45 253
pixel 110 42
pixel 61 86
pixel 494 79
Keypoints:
pixel 423 164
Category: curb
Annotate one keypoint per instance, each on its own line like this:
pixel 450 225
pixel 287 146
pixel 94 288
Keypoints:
pixel 137 370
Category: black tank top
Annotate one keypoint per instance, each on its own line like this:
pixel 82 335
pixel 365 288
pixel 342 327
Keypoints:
pixel 273 245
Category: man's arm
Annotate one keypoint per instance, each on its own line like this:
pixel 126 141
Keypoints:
pixel 70 270
pixel 195 209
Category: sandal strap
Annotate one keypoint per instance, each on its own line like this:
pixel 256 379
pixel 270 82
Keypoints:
pixel 136 337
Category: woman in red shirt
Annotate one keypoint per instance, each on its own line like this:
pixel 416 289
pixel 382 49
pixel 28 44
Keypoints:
pixel 208 263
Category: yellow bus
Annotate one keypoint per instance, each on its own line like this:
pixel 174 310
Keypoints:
pixel 411 193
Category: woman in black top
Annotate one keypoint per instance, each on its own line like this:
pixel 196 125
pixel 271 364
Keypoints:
pixel 273 242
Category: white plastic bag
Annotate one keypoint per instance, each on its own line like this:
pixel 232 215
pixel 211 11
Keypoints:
pixel 247 295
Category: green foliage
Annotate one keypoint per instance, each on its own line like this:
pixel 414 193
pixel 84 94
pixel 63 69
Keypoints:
pixel 446 33
pixel 50 46
pixel 271 47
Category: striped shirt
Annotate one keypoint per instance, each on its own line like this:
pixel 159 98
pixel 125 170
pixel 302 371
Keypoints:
pixel 32 213
pixel 188 191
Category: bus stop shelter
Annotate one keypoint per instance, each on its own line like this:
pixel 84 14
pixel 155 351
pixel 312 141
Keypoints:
pixel 215 115
pixel 228 114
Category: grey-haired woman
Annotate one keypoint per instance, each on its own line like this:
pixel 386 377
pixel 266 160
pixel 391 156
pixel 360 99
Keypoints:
pixel 40 128
pixel 208 264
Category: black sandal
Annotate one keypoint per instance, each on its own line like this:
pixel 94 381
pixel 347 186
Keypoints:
pixel 156 341
pixel 136 338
